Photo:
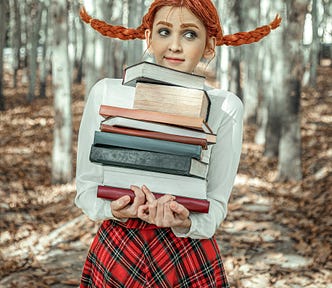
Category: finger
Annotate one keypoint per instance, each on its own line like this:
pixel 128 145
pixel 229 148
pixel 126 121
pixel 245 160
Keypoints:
pixel 143 212
pixel 139 196
pixel 161 202
pixel 148 194
pixel 120 203
pixel 179 209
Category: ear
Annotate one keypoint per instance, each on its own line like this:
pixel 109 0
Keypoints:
pixel 210 47
pixel 148 39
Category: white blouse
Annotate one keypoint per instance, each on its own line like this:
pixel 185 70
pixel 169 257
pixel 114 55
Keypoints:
pixel 225 118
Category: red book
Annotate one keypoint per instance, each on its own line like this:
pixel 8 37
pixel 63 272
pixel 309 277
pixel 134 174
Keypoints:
pixel 192 204
pixel 197 123
pixel 154 135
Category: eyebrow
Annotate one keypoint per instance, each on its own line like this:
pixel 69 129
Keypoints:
pixel 184 25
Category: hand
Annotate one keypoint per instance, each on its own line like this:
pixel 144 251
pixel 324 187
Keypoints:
pixel 121 209
pixel 163 212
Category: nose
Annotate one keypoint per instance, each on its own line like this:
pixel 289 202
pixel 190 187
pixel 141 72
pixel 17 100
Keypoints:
pixel 175 45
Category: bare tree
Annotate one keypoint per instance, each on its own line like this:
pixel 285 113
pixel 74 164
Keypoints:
pixel 62 143
pixel 289 164
pixel 251 73
pixel 34 12
pixel 3 19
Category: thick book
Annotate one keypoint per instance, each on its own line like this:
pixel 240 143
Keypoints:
pixel 163 183
pixel 148 160
pixel 172 99
pixel 158 127
pixel 154 135
pixel 114 193
pixel 153 116
pixel 153 73
pixel 146 144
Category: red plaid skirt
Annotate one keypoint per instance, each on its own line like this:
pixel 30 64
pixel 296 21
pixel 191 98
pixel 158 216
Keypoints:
pixel 137 254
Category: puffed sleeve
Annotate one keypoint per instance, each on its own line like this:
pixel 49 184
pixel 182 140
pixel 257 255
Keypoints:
pixel 88 174
pixel 223 165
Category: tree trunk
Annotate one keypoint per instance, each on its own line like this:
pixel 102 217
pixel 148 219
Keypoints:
pixel 135 47
pixel 44 63
pixel 289 167
pixel 272 82
pixel 3 19
pixel 15 38
pixel 251 74
pixel 314 45
pixel 62 154
pixel 34 12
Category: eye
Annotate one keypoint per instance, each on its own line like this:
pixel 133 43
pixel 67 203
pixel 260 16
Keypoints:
pixel 190 35
pixel 163 32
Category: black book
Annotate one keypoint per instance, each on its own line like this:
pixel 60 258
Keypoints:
pixel 148 160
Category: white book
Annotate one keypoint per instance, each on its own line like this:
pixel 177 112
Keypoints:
pixel 158 127
pixel 153 73
pixel 157 182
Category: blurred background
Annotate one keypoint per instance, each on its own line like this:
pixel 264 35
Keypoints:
pixel 278 232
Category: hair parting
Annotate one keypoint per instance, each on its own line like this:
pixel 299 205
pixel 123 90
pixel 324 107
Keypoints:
pixel 204 10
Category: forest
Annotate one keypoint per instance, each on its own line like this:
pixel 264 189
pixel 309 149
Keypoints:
pixel 278 229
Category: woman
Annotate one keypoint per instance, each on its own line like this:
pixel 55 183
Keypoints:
pixel 159 243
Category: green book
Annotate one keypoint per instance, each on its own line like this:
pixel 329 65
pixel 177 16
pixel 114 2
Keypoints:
pixel 147 144
pixel 148 160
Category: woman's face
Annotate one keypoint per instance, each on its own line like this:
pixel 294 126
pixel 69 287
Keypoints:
pixel 178 39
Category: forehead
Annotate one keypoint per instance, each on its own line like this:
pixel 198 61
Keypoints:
pixel 177 15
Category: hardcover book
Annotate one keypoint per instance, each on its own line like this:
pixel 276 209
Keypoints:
pixel 148 160
pixel 157 127
pixel 154 135
pixel 113 193
pixel 153 116
pixel 162 183
pixel 153 73
pixel 146 144
pixel 172 99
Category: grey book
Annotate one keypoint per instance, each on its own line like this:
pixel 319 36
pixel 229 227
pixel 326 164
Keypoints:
pixel 148 160
pixel 142 143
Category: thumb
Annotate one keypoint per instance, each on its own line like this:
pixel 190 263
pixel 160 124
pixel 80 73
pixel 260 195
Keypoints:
pixel 120 203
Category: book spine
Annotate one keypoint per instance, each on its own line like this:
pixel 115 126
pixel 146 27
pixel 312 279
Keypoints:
pixel 154 135
pixel 148 144
pixel 192 204
pixel 145 160
pixel 185 121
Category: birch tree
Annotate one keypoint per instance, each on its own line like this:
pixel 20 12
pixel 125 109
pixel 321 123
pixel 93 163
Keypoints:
pixel 34 12
pixel 251 72
pixel 3 29
pixel 289 161
pixel 15 38
pixel 62 143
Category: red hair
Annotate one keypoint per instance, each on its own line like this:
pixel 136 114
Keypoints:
pixel 202 9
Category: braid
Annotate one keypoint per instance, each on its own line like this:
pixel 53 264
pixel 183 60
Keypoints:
pixel 241 38
pixel 206 13
pixel 111 30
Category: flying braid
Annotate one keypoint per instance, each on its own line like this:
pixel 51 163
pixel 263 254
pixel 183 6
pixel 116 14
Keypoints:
pixel 203 10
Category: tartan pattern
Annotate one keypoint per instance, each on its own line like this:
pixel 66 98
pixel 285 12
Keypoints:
pixel 150 257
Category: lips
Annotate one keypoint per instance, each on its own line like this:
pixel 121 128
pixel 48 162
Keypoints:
pixel 173 59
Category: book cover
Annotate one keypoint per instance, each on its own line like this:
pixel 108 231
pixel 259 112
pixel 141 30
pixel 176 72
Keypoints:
pixel 147 144
pixel 153 73
pixel 148 160
pixel 172 99
pixel 158 127
pixel 152 116
pixel 113 193
pixel 154 135
pixel 163 183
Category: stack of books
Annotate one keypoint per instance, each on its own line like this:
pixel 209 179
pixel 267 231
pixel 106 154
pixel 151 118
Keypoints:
pixel 161 138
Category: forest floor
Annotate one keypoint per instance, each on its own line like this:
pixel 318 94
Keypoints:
pixel 276 234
